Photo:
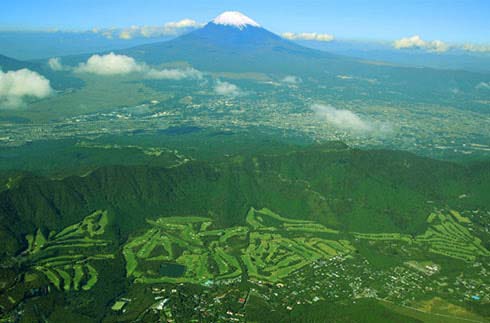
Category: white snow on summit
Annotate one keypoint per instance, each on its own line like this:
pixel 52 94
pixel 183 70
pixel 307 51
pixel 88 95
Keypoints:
pixel 235 19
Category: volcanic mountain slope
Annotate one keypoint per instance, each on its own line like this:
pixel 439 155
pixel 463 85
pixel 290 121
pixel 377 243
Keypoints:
pixel 10 64
pixel 370 191
pixel 235 43
pixel 231 42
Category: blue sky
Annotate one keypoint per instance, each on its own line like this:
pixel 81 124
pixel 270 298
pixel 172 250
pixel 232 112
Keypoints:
pixel 448 20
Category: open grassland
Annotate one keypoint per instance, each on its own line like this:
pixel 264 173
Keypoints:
pixel 64 258
pixel 98 94
pixel 435 310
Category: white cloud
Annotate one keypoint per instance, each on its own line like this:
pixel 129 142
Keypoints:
pixel 55 64
pixel 291 79
pixel 226 89
pixel 184 23
pixel 114 64
pixel 109 33
pixel 410 42
pixel 345 77
pixel 174 74
pixel 476 48
pixel 125 35
pixel 341 119
pixel 169 29
pixel 17 85
pixel 483 86
pixel 438 46
pixel 308 36
pixel 417 42
pixel 110 64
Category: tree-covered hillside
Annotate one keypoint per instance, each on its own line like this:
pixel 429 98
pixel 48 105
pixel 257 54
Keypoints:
pixel 347 189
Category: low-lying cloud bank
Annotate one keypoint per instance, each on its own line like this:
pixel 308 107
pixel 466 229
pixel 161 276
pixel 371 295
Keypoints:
pixel 308 36
pixel 476 48
pixel 113 64
pixel 437 46
pixel 15 86
pixel 417 42
pixel 226 89
pixel 341 119
pixel 483 86
pixel 174 74
pixel 169 29
pixel 291 80
pixel 110 64
pixel 55 64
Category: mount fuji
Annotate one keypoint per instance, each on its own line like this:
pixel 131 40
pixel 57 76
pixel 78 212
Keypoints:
pixel 231 42
pixel 235 19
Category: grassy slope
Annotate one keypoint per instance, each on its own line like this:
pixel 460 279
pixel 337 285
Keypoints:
pixel 364 310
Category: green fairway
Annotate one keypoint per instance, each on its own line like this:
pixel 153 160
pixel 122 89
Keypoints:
pixel 65 257
pixel 448 235
pixel 275 246
pixel 268 256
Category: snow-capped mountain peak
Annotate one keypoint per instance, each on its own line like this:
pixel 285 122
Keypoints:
pixel 235 19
